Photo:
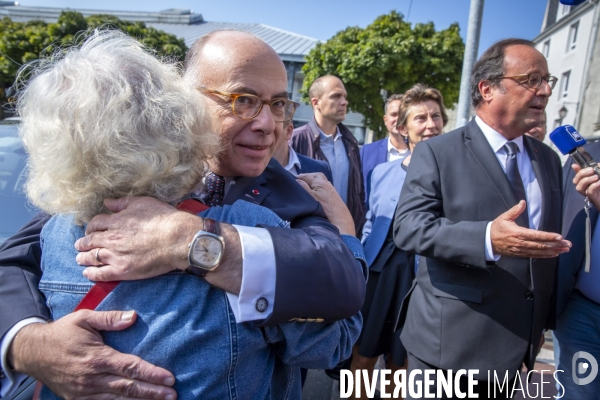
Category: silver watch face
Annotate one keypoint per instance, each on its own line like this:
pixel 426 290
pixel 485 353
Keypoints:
pixel 207 250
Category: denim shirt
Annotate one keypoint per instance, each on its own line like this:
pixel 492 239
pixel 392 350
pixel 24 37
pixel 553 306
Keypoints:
pixel 187 326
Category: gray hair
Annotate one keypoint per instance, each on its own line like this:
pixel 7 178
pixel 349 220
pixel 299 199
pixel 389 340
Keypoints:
pixel 106 119
pixel 491 65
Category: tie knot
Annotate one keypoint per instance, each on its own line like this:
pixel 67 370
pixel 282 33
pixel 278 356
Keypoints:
pixel 214 189
pixel 511 148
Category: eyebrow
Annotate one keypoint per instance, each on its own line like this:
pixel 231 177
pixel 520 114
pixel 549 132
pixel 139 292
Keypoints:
pixel 249 90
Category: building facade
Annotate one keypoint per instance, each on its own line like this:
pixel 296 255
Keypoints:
pixel 569 41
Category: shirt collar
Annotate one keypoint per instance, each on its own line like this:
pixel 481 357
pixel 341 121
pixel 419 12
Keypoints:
pixel 293 160
pixel 391 149
pixel 334 137
pixel 494 138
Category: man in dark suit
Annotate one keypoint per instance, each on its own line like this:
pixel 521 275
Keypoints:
pixel 391 148
pixel 146 238
pixel 578 290
pixel 475 205
pixel 293 162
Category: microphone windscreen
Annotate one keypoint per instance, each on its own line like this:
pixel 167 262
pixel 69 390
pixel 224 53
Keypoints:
pixel 572 2
pixel 566 139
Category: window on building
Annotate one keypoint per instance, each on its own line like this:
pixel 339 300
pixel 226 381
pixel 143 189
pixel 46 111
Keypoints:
pixel 563 10
pixel 571 44
pixel 546 48
pixel 564 87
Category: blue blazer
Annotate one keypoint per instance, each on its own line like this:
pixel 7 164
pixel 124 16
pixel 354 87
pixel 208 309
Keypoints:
pixel 371 155
pixel 386 181
pixel 573 229
pixel 308 165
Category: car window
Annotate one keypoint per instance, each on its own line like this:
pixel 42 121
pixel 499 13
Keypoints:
pixel 15 210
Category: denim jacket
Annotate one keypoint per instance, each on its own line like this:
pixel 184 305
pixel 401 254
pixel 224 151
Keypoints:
pixel 187 326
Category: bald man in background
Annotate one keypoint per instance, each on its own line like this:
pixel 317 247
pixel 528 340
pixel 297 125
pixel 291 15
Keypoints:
pixel 326 138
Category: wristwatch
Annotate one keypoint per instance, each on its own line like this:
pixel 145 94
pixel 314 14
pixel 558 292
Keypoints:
pixel 206 249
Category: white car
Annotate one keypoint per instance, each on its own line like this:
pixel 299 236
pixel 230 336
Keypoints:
pixel 15 210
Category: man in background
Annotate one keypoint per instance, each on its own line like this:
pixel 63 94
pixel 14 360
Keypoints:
pixel 290 160
pixel 326 138
pixel 391 148
pixel 539 132
pixel 578 290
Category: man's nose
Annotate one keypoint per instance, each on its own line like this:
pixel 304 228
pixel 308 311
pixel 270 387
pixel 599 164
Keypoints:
pixel 264 121
pixel 544 89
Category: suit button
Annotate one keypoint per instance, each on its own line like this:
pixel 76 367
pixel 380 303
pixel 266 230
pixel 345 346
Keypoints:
pixel 529 295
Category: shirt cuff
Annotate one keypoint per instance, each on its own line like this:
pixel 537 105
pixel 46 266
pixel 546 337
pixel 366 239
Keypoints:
pixel 12 379
pixel 357 250
pixel 257 294
pixel 489 252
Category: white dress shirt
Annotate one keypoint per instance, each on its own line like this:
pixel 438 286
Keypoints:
pixel 293 165
pixel 394 154
pixel 533 192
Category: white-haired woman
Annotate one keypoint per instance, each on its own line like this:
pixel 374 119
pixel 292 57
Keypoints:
pixel 108 120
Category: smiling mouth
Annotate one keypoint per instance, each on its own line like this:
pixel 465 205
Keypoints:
pixel 257 148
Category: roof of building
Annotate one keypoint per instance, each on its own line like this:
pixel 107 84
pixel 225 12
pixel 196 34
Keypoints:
pixel 290 46
pixel 183 23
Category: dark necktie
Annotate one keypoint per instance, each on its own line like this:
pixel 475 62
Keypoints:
pixel 214 189
pixel 512 172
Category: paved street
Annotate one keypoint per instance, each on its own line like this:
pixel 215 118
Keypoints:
pixel 320 387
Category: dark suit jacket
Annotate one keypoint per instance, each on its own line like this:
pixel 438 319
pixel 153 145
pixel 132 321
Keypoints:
pixel 464 312
pixel 573 229
pixel 308 165
pixel 371 155
pixel 306 141
pixel 317 275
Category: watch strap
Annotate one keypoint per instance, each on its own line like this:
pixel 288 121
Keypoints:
pixel 211 226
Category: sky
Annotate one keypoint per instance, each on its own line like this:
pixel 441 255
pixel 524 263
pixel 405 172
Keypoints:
pixel 321 19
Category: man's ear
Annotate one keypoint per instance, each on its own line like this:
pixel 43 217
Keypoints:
pixel 486 90
pixel 314 102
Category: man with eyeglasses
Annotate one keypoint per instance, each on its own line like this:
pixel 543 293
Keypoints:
pixel 272 275
pixel 481 205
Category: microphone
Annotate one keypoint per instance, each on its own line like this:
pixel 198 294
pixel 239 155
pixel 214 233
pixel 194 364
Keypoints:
pixel 569 141
pixel 572 2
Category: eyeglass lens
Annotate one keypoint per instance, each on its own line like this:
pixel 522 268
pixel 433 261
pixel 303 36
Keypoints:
pixel 535 81
pixel 249 107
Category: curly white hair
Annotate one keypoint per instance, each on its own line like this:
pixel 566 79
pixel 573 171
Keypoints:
pixel 107 119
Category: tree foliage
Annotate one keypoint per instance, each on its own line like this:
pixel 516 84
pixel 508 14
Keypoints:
pixel 388 55
pixel 22 42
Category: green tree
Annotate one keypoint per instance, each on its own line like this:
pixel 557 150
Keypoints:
pixel 388 55
pixel 21 42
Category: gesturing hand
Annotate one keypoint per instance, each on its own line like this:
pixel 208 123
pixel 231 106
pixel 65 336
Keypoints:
pixel 510 239
pixel 70 357
pixel 142 239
